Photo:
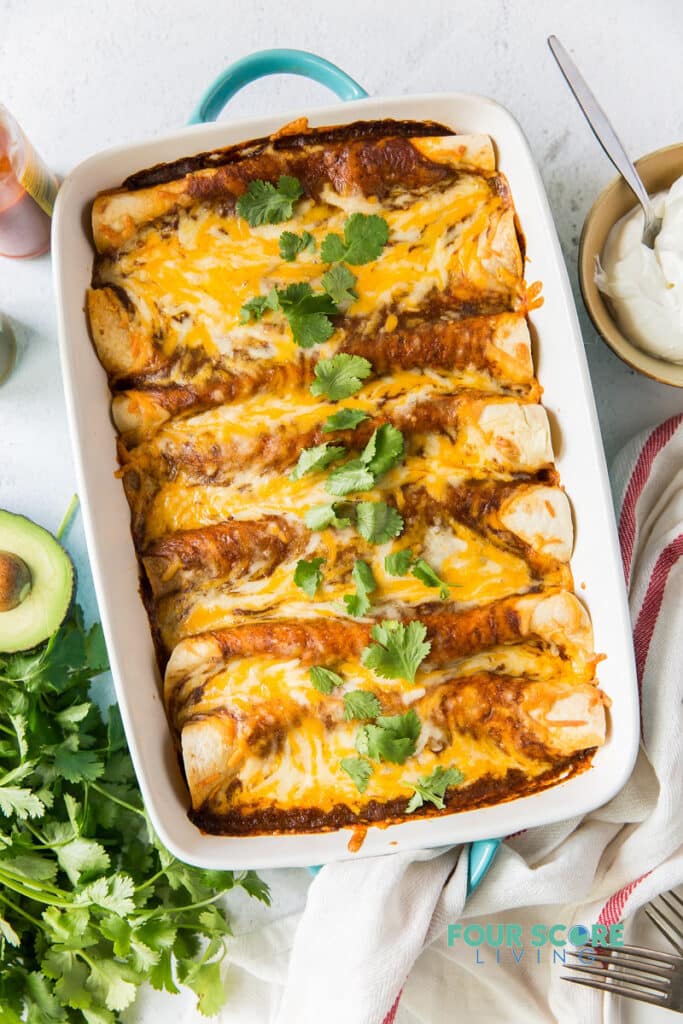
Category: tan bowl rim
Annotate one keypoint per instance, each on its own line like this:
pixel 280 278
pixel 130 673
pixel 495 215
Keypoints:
pixel 601 317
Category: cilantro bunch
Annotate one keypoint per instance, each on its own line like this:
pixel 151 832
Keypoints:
pixel 91 903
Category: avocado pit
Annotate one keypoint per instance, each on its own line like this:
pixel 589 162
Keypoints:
pixel 15 581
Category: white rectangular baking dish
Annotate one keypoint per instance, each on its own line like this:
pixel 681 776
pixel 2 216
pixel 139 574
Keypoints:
pixel 562 369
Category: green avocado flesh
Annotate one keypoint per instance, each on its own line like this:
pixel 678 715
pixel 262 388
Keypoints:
pixel 44 605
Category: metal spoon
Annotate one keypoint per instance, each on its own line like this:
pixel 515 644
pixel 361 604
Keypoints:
pixel 607 137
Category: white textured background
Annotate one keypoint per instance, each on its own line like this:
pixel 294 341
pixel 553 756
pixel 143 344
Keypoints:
pixel 82 75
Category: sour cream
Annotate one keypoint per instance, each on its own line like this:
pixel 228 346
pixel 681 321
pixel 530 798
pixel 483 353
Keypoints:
pixel 645 286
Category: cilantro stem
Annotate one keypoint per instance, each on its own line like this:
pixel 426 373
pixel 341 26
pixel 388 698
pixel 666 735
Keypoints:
pixel 20 910
pixel 194 906
pixel 115 799
pixel 40 895
pixel 68 516
pixel 150 881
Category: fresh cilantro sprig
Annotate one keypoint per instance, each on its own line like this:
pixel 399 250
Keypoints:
pixel 345 419
pixel 359 770
pixel 398 563
pixel 312 460
pixel 401 562
pixel 339 284
pixel 320 517
pixel 307 312
pixel 377 522
pixel 390 738
pixel 324 679
pixel 398 650
pixel 308 575
pixel 432 788
pixel 291 244
pixel 364 239
pixel 360 704
pixel 91 903
pixel 340 376
pixel 365 583
pixel 383 451
pixel 265 203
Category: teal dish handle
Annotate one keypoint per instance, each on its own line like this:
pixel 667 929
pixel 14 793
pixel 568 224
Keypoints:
pixel 309 65
pixel 480 860
pixel 273 62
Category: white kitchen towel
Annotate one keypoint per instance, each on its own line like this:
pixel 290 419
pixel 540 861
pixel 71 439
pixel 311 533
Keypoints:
pixel 371 943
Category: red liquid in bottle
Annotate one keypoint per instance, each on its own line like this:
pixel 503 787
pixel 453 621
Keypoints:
pixel 24 225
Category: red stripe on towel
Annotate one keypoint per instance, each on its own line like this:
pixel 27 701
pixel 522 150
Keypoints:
pixel 649 611
pixel 657 440
pixel 613 909
pixel 391 1016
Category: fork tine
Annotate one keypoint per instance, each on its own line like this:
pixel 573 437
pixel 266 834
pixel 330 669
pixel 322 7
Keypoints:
pixel 678 916
pixel 675 896
pixel 657 916
pixel 623 977
pixel 635 962
pixel 617 990
pixel 652 954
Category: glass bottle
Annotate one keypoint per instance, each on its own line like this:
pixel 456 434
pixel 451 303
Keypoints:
pixel 27 193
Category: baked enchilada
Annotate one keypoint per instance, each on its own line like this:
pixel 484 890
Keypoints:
pixel 353 540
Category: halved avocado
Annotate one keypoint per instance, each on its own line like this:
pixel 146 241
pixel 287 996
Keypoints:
pixel 37 580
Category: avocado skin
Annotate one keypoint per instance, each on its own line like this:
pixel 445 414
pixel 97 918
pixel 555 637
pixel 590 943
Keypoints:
pixel 16 520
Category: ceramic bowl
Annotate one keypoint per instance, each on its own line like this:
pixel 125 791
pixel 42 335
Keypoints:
pixel 658 171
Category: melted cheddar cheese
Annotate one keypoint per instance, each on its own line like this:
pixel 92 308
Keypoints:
pixel 214 411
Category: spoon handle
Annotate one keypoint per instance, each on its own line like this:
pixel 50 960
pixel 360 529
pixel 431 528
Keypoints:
pixel 599 122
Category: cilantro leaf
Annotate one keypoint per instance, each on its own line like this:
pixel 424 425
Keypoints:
pixel 340 376
pixel 352 476
pixel 425 574
pixel 114 984
pixel 359 771
pixel 77 765
pixel 321 516
pixel 307 313
pixel 113 893
pixel 398 650
pixel 265 203
pixel 398 563
pixel 257 307
pixel 82 856
pixel 361 704
pixel 22 802
pixel 361 575
pixel 207 984
pixel 313 459
pixel 365 236
pixel 390 738
pixel 308 575
pixel 384 449
pixel 324 679
pixel 255 886
pixel 291 244
pixel 333 249
pixel 338 283
pixel 377 522
pixel 433 787
pixel 345 419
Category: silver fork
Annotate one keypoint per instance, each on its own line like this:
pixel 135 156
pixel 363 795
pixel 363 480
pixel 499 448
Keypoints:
pixel 669 924
pixel 631 971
